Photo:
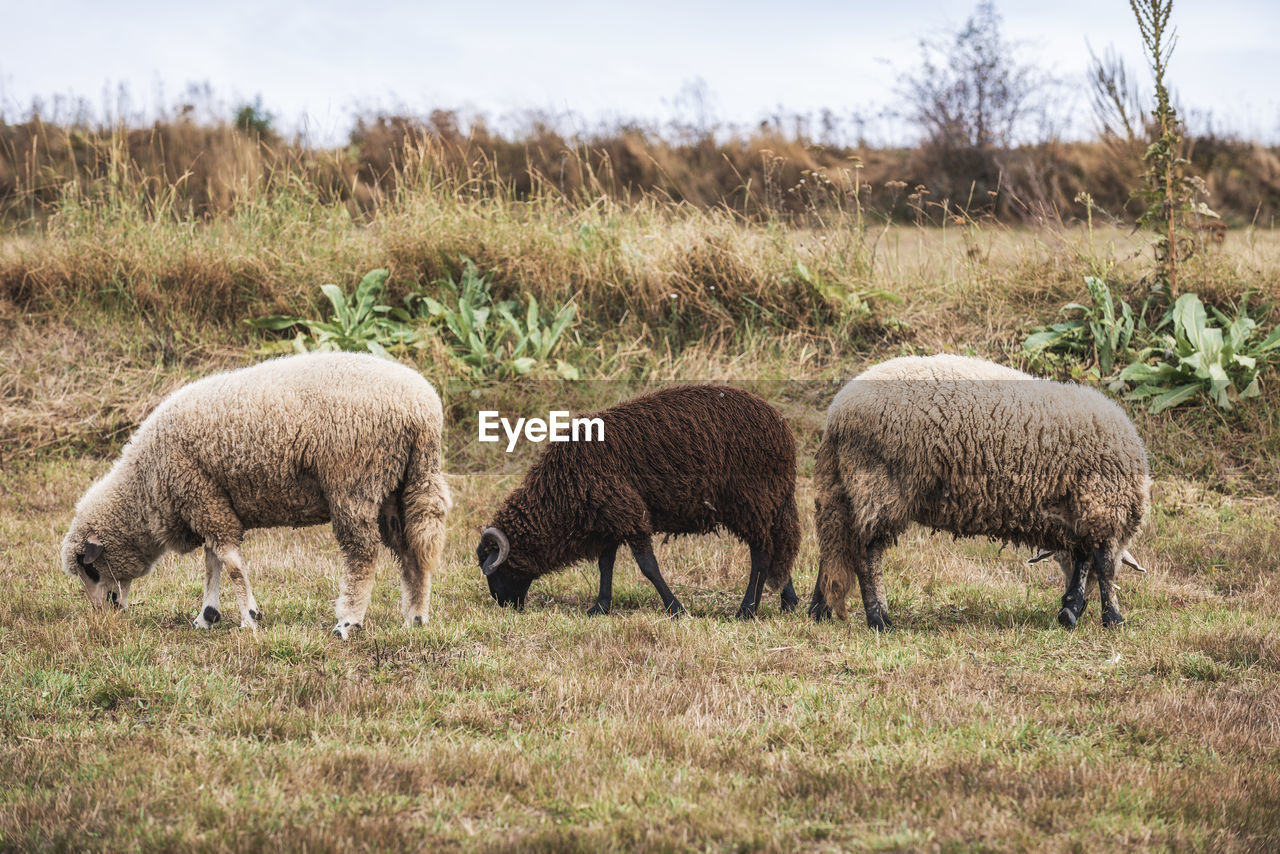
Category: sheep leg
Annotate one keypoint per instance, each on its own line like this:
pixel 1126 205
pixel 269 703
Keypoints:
pixel 604 600
pixel 418 559
pixel 415 587
pixel 642 551
pixel 359 547
pixel 209 613
pixel 755 585
pixel 819 610
pixel 231 560
pixel 872 583
pixel 834 520
pixel 1073 600
pixel 419 515
pixel 789 598
pixel 1104 567
pixel 872 586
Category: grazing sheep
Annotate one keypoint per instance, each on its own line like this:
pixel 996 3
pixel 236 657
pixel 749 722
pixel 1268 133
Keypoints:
pixel 686 460
pixel 302 440
pixel 973 448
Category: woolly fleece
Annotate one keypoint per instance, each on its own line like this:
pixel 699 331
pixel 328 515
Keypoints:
pixel 300 440
pixel 975 449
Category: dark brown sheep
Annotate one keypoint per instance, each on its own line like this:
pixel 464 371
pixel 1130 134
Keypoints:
pixel 686 460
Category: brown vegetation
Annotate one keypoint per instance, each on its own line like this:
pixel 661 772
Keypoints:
pixel 203 169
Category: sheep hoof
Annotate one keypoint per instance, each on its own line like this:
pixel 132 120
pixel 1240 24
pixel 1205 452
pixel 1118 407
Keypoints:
pixel 745 613
pixel 1112 619
pixel 879 623
pixel 206 618
pixel 345 630
pixel 418 620
pixel 820 613
pixel 676 610
pixel 598 610
pixel 1066 619
pixel 789 605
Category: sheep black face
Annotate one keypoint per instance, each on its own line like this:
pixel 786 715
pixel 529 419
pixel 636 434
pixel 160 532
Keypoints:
pixel 507 585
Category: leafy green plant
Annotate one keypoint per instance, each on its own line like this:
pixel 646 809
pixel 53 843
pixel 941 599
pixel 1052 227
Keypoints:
pixel 512 343
pixel 1101 333
pixel 851 302
pixel 1222 362
pixel 539 340
pixel 358 323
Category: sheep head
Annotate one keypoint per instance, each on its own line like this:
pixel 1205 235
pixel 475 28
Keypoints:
pixel 105 567
pixel 507 584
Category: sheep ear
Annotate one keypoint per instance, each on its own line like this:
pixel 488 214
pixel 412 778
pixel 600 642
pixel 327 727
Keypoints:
pixel 92 550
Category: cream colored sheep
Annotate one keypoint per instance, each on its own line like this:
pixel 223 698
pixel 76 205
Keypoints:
pixel 301 440
pixel 975 449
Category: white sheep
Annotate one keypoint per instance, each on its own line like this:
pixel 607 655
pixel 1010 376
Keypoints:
pixel 975 449
pixel 300 440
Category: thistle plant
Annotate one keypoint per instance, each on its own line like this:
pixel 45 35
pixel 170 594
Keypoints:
pixel 1169 196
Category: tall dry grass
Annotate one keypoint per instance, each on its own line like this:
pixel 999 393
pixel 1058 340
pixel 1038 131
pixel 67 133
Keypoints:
pixel 207 170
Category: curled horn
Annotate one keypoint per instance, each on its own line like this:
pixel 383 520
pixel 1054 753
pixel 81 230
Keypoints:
pixel 494 537
pixel 1129 560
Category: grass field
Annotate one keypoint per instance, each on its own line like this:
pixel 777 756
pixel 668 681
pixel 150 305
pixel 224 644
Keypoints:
pixel 977 724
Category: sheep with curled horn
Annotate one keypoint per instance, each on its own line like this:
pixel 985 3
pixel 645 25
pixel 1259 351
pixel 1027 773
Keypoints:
pixel 975 449
pixel 686 460
pixel 352 439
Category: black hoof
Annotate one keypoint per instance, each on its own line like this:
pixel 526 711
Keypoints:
pixel 1111 619
pixel 676 610
pixel 256 616
pixel 880 624
pixel 789 599
pixel 419 620
pixel 211 614
pixel 598 610
pixel 820 613
pixel 745 614
pixel 1066 619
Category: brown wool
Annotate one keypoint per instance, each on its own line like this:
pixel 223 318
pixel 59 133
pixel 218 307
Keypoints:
pixel 685 460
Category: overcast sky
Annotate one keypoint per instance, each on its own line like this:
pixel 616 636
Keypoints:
pixel 322 61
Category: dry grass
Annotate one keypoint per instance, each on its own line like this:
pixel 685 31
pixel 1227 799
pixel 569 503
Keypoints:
pixel 978 724
pixel 213 169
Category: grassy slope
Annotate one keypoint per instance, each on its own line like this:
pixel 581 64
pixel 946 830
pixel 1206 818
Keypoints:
pixel 978 724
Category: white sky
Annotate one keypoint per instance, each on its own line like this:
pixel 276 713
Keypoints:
pixel 324 60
